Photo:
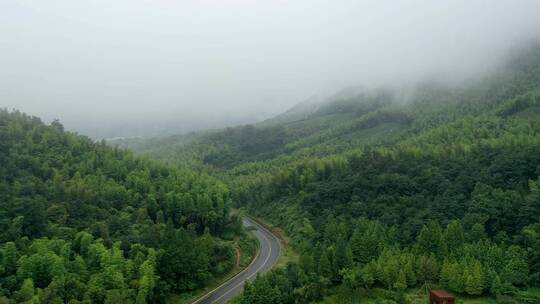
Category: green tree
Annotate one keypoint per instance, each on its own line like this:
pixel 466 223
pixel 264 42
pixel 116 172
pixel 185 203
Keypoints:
pixel 447 272
pixel 148 278
pixel 474 282
pixel 427 268
pixel 42 268
pixel 401 282
pixel 478 232
pixel 516 270
pixel 324 267
pixel 9 259
pixel 457 277
pixel 498 287
pixel 27 291
pixel 430 240
pixel 342 257
pixel 260 292
pixel 454 236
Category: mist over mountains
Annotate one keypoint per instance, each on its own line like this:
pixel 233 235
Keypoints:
pixel 139 68
pixel 290 152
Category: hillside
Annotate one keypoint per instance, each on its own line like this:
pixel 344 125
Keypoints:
pixel 392 188
pixel 349 120
pixel 441 186
pixel 81 222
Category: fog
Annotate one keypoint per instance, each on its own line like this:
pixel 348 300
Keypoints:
pixel 132 67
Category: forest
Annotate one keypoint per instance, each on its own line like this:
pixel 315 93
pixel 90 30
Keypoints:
pixel 270 152
pixel 381 193
pixel 386 192
pixel 81 222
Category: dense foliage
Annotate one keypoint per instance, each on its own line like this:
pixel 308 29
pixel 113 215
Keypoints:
pixel 394 189
pixel 81 222
pixel 453 201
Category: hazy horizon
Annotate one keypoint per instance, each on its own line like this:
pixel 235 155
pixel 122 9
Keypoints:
pixel 146 68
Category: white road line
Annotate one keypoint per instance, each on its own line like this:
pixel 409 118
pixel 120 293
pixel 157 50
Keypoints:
pixel 208 294
pixel 250 276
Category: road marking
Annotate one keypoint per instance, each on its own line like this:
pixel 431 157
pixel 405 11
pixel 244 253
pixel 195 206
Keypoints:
pixel 257 271
pixel 250 276
pixel 234 277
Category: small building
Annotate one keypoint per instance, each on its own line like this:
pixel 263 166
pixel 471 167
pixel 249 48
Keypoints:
pixel 441 297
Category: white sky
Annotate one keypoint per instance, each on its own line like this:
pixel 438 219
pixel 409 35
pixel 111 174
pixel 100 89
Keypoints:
pixel 130 67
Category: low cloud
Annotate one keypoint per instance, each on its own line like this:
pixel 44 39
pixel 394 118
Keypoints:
pixel 127 68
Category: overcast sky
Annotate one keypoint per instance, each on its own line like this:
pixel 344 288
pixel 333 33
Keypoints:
pixel 132 67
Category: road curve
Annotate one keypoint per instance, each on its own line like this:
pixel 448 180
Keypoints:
pixel 269 251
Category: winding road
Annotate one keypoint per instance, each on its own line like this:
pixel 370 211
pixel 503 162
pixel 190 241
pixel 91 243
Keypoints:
pixel 269 251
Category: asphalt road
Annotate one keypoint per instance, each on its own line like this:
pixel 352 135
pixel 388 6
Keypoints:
pixel 269 251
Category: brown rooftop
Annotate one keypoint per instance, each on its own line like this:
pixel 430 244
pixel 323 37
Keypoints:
pixel 440 297
pixel 441 294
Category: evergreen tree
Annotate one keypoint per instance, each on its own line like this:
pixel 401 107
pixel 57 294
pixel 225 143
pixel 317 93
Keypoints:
pixel 430 240
pixel 26 293
pixel 447 272
pixel 427 268
pixel 474 282
pixel 409 272
pixel 260 292
pixel 516 269
pixel 342 256
pixel 324 268
pixel 454 236
pixel 457 279
pixel 478 232
pixel 401 282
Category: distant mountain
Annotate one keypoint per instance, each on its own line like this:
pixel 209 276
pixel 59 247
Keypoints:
pixel 353 118
pixel 299 111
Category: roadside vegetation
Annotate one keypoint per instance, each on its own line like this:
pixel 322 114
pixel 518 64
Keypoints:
pixel 81 222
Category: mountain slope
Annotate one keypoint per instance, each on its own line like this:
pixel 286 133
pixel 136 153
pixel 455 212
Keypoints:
pixel 453 199
pixel 389 189
pixel 83 222
pixel 349 121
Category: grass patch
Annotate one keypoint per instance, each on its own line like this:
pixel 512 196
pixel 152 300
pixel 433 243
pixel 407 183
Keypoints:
pixel 287 255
